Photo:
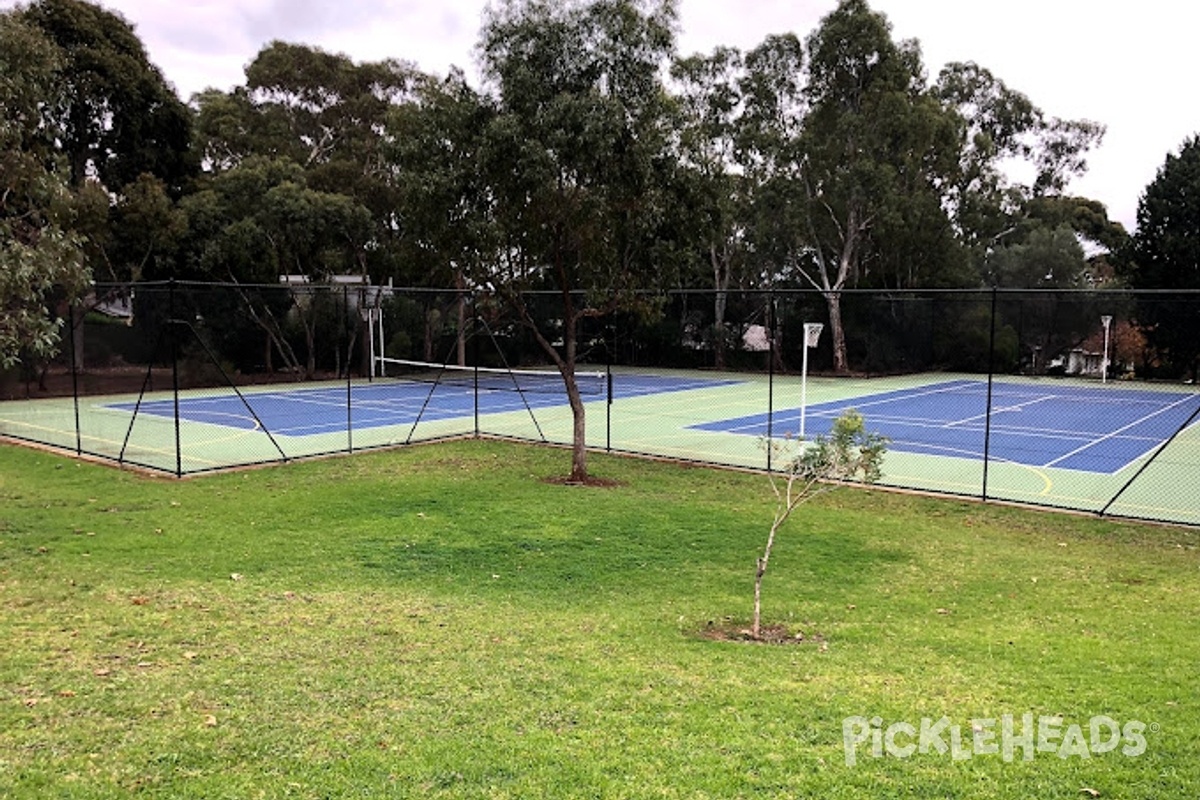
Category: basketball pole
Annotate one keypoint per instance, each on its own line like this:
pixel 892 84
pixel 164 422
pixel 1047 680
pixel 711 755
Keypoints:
pixel 371 339
pixel 812 335
pixel 1106 321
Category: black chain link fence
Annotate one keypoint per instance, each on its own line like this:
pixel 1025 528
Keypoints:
pixel 1079 400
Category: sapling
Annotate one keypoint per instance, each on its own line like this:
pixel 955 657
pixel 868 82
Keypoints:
pixel 850 453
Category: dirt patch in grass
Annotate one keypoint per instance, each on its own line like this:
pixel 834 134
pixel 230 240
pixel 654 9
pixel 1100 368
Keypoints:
pixel 591 481
pixel 733 631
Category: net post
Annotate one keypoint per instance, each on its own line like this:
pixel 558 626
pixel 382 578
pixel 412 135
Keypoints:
pixel 987 424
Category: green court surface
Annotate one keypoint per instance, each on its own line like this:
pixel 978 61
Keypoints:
pixel 1121 448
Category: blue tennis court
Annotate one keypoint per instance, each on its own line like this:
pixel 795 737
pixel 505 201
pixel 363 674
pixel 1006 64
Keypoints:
pixel 1099 430
pixel 309 411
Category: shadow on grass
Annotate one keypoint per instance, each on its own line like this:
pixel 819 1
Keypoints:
pixel 708 557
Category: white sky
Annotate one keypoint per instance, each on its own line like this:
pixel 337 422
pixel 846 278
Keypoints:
pixel 1133 67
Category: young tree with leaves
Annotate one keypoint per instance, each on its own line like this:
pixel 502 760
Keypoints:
pixel 578 164
pixel 849 453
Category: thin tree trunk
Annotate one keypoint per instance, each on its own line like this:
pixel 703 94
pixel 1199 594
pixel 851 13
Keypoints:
pixel 310 342
pixel 76 316
pixel 579 471
pixel 461 312
pixel 430 316
pixel 721 271
pixel 838 332
pixel 780 516
pixel 565 362
pixel 270 326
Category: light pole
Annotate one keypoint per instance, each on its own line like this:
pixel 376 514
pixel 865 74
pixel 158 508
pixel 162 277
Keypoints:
pixel 812 335
pixel 1106 321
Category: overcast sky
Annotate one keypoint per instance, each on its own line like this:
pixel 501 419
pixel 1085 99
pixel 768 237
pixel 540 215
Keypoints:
pixel 1133 66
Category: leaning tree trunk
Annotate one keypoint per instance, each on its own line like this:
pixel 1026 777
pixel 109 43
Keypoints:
pixel 565 362
pixel 579 472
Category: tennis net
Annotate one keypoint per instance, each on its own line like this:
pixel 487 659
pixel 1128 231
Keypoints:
pixel 541 381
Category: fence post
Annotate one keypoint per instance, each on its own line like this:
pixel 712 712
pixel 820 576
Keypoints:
pixel 71 313
pixel 347 319
pixel 173 327
pixel 475 361
pixel 608 335
pixel 770 373
pixel 987 425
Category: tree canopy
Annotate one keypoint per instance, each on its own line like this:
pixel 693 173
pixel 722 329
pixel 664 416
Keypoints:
pixel 117 115
pixel 594 163
pixel 577 159
pixel 1165 254
pixel 41 262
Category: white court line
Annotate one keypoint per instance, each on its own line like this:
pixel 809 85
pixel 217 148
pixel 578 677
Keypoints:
pixel 935 424
pixel 1013 430
pixel 900 398
pixel 1001 410
pixel 1118 431
pixel 850 404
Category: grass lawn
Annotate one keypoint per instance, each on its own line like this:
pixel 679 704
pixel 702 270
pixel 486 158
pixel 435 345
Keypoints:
pixel 439 622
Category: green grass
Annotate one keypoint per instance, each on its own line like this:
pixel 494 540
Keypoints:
pixel 439 622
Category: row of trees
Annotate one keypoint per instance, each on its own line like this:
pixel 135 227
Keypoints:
pixel 594 161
